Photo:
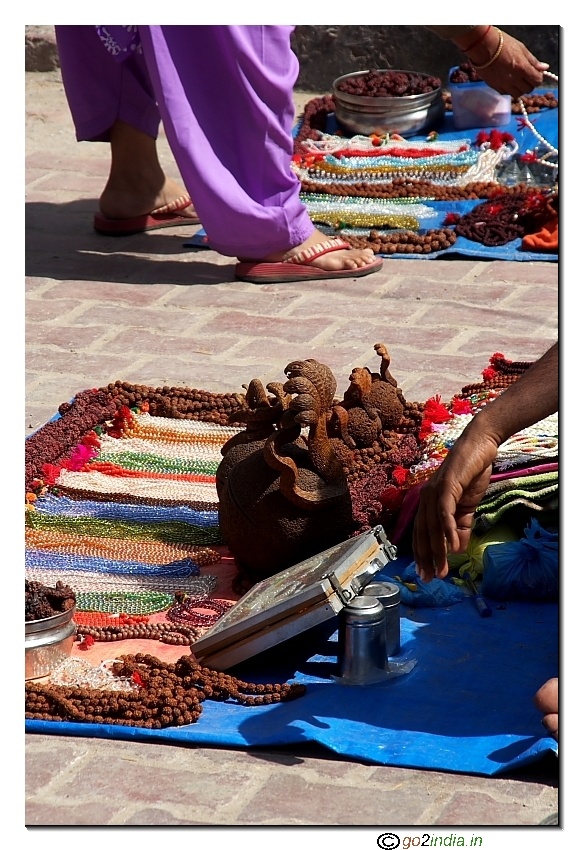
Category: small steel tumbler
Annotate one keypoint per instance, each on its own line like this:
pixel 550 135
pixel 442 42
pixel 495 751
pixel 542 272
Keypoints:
pixel 362 651
pixel 389 596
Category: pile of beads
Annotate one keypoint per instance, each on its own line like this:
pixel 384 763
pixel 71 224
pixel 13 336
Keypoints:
pixel 389 84
pixel 168 695
pixel 41 601
pixel 534 103
pixel 507 218
pixel 404 242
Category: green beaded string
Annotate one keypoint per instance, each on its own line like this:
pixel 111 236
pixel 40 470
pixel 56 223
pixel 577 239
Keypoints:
pixel 166 532
pixel 142 462
pixel 120 602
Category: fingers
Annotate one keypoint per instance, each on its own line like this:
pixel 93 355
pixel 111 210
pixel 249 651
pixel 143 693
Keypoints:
pixel 434 533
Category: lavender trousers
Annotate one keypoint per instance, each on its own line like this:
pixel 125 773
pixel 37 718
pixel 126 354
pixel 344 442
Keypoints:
pixel 224 94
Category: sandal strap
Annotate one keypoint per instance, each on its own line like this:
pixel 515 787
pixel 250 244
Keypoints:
pixel 174 206
pixel 318 250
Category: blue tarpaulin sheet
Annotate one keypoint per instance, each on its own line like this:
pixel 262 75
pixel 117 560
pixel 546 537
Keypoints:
pixel 467 705
pixel 547 124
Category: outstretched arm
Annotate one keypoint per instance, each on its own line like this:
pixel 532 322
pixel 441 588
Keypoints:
pixel 450 498
pixel 514 71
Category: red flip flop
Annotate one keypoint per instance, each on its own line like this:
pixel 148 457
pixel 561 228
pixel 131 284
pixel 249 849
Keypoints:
pixel 297 268
pixel 166 216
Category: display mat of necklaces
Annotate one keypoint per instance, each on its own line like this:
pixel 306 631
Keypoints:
pixel 547 124
pixel 467 706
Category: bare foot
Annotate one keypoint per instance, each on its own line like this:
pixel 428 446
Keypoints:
pixel 137 184
pixel 352 258
pixel 547 700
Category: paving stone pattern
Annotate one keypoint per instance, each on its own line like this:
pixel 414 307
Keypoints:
pixel 145 309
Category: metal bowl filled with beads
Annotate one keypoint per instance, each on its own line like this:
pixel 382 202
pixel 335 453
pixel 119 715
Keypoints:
pixel 47 643
pixel 407 115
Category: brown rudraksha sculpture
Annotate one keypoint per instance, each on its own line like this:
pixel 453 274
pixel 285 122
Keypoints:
pixel 372 403
pixel 288 499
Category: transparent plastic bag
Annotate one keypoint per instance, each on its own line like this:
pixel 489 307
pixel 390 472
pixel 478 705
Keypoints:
pixel 528 569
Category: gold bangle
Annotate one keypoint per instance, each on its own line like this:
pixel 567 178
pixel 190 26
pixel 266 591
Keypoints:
pixel 495 56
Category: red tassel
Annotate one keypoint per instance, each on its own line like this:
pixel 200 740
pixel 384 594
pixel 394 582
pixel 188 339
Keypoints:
pixel 50 473
pixel 451 218
pixel 391 499
pixel 435 411
pixel 425 429
pixel 460 406
pixel 400 474
pixel 489 374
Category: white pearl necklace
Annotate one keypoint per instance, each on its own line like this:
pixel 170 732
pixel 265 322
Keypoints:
pixel 552 151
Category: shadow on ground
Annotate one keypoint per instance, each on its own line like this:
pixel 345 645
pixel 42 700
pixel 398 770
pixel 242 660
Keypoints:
pixel 61 244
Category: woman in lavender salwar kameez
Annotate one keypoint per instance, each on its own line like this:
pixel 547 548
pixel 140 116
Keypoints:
pixel 224 94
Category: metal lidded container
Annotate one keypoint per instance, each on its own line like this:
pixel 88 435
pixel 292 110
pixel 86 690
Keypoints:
pixel 407 115
pixel 362 644
pixel 389 595
pixel 47 643
pixel 294 600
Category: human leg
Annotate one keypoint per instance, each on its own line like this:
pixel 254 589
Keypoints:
pixel 225 95
pixel 547 701
pixel 114 102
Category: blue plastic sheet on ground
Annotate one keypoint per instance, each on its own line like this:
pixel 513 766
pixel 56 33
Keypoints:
pixel 467 706
pixel 546 123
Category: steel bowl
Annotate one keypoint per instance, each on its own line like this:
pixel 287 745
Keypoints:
pixel 47 643
pixel 407 116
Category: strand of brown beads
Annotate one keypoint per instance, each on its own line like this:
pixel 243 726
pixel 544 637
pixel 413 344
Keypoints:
pixel 314 120
pixel 500 382
pixel 177 402
pixel 404 241
pixel 402 187
pixel 171 633
pixel 168 695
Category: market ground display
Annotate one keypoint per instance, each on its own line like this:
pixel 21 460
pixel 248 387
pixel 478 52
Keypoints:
pixel 103 477
pixel 514 293
pixel 413 191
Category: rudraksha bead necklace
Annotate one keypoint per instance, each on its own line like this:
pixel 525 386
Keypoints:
pixel 176 402
pixel 171 633
pixel 168 695
pixel 403 242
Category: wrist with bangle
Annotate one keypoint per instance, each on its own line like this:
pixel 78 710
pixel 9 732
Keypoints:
pixel 496 53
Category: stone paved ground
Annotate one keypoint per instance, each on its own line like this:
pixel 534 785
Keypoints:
pixel 144 309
